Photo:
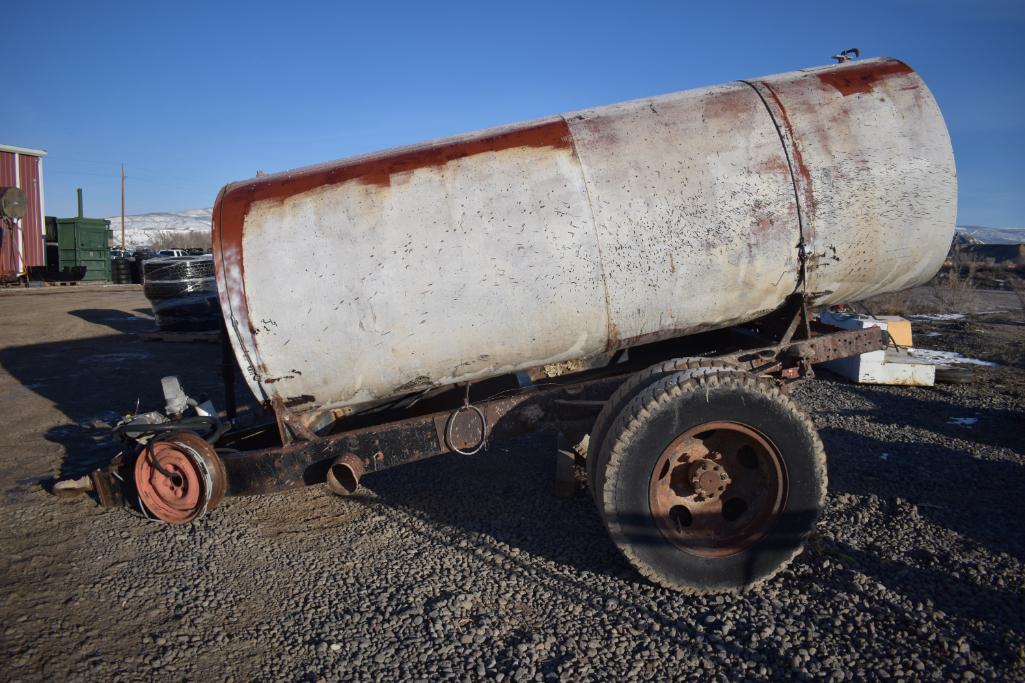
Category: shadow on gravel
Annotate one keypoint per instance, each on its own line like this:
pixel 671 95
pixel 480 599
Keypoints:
pixel 507 494
pixel 978 498
pixel 119 321
pixel 94 381
pixel 990 612
pixel 915 408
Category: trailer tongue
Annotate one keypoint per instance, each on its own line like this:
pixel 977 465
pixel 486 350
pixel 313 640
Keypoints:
pixel 389 308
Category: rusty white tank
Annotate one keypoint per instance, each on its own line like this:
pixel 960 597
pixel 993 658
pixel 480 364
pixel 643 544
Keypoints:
pixel 566 237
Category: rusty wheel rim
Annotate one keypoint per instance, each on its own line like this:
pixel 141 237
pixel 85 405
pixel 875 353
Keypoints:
pixel 194 481
pixel 717 489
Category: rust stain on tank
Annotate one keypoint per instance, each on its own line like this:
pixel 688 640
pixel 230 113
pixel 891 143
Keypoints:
pixel 728 105
pixel 762 221
pixel 554 135
pixel 234 201
pixel 774 164
pixel 798 160
pixel 861 78
pixel 377 169
pixel 605 134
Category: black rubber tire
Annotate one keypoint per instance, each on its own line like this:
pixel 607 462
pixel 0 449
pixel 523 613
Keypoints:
pixel 671 406
pixel 623 395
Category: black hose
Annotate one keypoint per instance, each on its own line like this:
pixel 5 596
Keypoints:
pixel 211 424
pixel 164 432
pixel 148 450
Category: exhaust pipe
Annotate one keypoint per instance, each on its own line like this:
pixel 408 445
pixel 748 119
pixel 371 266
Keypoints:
pixel 344 474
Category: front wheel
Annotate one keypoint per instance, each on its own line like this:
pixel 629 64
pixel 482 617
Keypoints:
pixel 711 483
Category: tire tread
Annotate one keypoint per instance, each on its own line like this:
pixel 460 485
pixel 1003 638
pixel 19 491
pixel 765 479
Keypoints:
pixel 622 395
pixel 656 397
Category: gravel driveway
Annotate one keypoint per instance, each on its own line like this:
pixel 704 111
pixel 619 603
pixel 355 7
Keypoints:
pixel 468 568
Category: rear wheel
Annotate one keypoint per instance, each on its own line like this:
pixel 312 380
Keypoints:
pixel 624 394
pixel 711 483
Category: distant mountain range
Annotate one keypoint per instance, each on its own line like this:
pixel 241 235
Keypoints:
pixel 141 229
pixel 978 234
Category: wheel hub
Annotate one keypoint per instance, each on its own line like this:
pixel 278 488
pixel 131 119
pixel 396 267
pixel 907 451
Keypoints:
pixel 179 478
pixel 708 479
pixel 717 488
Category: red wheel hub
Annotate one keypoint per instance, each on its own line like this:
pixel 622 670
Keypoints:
pixel 179 478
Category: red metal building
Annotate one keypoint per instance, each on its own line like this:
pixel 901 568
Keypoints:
pixel 23 247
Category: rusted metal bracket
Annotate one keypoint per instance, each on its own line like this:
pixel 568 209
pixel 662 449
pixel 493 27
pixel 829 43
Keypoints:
pixel 105 484
pixel 802 343
pixel 565 467
pixel 290 427
pixel 799 318
pixel 466 438
pixel 824 344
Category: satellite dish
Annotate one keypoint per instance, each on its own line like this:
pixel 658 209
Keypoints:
pixel 12 203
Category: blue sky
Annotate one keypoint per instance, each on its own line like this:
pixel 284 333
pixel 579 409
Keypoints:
pixel 191 96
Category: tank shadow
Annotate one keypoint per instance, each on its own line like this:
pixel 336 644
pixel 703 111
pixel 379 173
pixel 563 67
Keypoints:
pixel 922 408
pixel 486 493
pixel 988 615
pixel 119 321
pixel 505 495
pixel 950 487
pixel 94 381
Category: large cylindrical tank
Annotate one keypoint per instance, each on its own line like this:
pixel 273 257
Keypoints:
pixel 361 279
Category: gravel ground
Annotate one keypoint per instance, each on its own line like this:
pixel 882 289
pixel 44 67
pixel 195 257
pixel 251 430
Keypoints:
pixel 468 568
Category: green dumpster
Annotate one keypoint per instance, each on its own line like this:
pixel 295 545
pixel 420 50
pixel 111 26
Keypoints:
pixel 85 242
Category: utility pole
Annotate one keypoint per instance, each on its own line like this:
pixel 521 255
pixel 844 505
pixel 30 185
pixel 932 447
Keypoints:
pixel 122 207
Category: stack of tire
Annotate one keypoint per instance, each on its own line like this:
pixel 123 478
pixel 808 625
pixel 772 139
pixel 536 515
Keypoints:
pixel 136 269
pixel 183 293
pixel 120 270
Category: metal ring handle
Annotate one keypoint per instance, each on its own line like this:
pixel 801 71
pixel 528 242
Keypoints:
pixel 451 425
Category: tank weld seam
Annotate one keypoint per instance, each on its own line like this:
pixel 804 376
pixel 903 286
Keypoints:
pixel 610 325
pixel 802 278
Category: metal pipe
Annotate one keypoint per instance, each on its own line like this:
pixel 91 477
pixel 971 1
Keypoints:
pixel 344 474
pixel 81 212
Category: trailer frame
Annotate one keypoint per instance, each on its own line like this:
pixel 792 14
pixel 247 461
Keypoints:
pixel 285 454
